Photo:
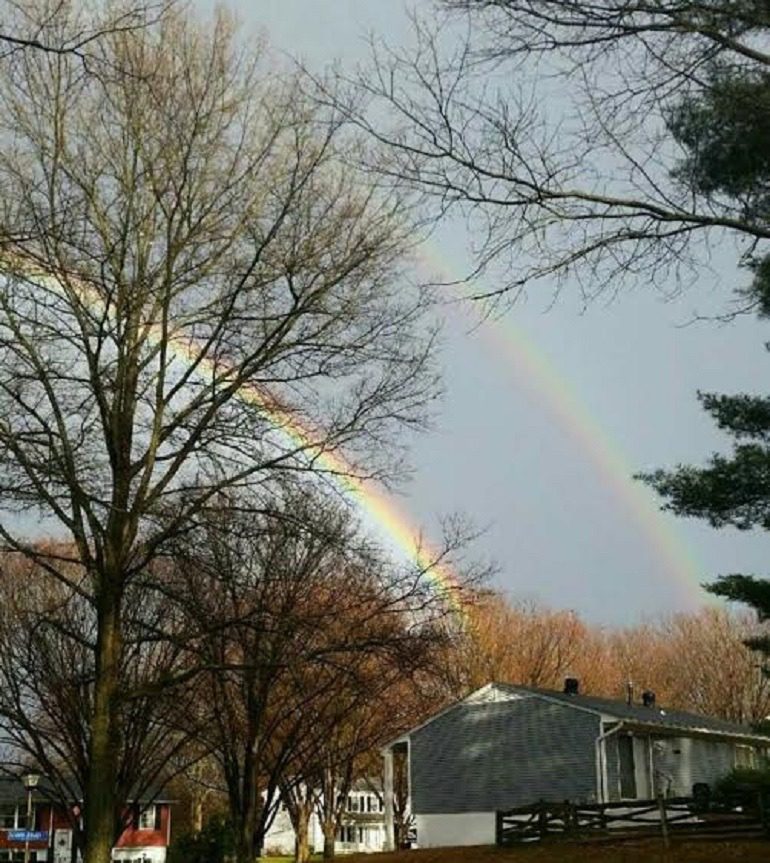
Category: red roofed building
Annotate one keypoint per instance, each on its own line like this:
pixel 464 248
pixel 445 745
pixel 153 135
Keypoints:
pixel 145 839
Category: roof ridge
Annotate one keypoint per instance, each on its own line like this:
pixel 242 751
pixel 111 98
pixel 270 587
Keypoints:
pixel 656 715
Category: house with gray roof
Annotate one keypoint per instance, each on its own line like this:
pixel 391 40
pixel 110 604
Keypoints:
pixel 505 746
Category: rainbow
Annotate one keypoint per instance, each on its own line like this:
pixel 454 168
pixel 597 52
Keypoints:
pixel 380 507
pixel 535 372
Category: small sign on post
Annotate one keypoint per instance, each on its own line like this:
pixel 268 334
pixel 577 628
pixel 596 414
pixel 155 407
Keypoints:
pixel 27 835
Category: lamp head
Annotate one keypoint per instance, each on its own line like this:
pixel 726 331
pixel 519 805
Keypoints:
pixel 30 780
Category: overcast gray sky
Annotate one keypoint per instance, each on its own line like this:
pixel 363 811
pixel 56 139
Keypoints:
pixel 549 411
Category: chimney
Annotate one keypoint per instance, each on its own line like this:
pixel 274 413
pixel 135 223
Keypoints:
pixel 648 698
pixel 629 693
pixel 571 686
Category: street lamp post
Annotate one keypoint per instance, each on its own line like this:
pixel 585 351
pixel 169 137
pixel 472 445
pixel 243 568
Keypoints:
pixel 30 781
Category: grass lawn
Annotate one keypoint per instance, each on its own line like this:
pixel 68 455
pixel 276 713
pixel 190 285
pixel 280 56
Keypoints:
pixel 313 858
pixel 643 851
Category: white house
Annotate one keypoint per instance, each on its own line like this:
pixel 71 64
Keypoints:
pixel 362 828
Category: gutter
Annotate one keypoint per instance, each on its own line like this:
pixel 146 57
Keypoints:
pixel 664 729
pixel 601 757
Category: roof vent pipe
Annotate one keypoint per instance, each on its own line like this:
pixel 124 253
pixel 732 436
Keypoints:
pixel 571 686
pixel 648 698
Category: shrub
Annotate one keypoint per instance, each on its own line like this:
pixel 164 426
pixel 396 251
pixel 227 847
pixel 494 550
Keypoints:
pixel 214 844
pixel 743 787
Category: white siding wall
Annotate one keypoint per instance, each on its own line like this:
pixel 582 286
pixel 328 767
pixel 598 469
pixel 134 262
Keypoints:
pixel 680 762
pixel 462 828
pixel 280 837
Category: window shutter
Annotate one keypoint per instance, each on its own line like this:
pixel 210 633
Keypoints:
pixel 135 816
pixel 157 816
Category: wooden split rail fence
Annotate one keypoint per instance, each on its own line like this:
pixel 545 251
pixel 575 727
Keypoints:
pixel 677 816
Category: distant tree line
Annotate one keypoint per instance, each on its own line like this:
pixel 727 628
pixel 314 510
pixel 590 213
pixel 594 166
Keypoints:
pixel 693 661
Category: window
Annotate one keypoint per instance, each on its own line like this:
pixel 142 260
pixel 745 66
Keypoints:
pixel 363 803
pixel 14 817
pixel 7 817
pixel 146 820
pixel 350 834
pixel 745 756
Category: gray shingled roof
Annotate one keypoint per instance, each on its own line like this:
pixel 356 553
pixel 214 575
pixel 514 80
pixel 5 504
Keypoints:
pixel 658 715
pixel 13 791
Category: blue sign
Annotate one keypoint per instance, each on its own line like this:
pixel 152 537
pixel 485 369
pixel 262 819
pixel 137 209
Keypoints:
pixel 27 835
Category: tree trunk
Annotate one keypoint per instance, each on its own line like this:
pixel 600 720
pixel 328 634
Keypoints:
pixel 244 838
pixel 248 839
pixel 330 838
pixel 302 847
pixel 196 813
pixel 100 800
pixel 299 803
pixel 248 843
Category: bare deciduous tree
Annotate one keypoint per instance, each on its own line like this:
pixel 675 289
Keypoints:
pixel 302 628
pixel 545 123
pixel 47 680
pixel 713 672
pixel 66 29
pixel 521 642
pixel 188 260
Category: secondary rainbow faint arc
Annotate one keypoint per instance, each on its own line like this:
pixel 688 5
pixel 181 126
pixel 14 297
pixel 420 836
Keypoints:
pixel 536 372
pixel 380 508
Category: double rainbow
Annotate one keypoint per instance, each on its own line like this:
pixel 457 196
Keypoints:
pixel 533 370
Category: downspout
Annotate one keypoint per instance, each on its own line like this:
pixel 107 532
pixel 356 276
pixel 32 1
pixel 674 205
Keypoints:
pixel 651 751
pixel 387 791
pixel 601 758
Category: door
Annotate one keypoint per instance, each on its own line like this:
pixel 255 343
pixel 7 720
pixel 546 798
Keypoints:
pixel 62 846
pixel 627 767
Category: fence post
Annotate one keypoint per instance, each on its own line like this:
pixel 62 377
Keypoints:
pixel 663 820
pixel 542 819
pixel 570 821
pixel 498 827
